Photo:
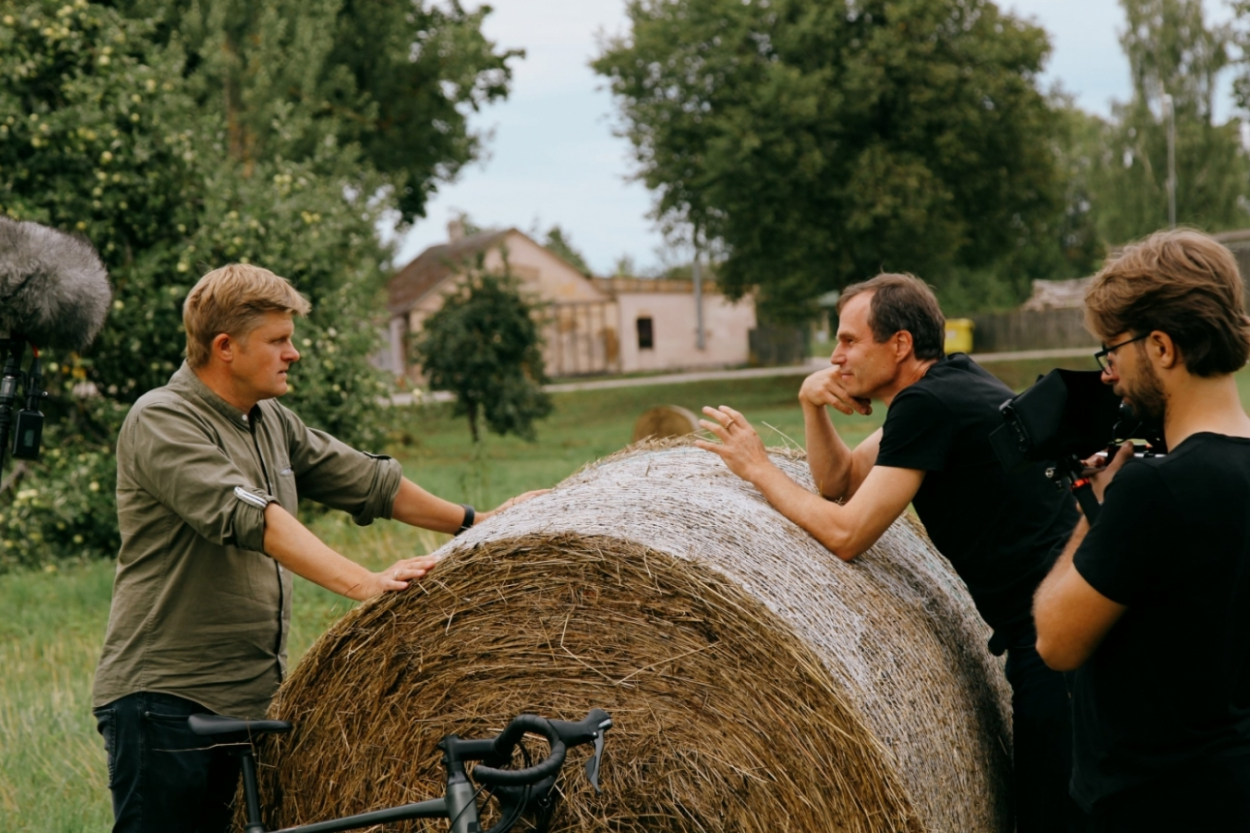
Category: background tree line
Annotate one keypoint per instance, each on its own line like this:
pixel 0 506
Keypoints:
pixel 803 144
pixel 807 144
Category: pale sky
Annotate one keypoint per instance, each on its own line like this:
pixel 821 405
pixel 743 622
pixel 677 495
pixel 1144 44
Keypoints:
pixel 552 158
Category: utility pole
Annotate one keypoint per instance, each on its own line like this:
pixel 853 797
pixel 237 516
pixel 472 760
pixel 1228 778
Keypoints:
pixel 697 273
pixel 1169 111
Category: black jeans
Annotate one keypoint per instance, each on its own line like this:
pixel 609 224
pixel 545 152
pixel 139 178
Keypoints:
pixel 1042 724
pixel 1208 797
pixel 163 778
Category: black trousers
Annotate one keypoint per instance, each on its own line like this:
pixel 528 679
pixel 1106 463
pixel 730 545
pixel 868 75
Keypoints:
pixel 1042 724
pixel 1207 797
pixel 163 778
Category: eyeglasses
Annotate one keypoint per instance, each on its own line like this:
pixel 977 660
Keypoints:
pixel 1104 355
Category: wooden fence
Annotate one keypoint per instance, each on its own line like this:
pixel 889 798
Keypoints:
pixel 1007 332
pixel 773 345
pixel 1054 328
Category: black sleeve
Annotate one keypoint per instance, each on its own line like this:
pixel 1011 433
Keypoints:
pixel 918 432
pixel 1124 553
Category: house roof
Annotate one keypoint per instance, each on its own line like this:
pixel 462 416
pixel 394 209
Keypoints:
pixel 1069 294
pixel 433 266
pixel 623 285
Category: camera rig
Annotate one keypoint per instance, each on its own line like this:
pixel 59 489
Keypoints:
pixel 26 423
pixel 1066 417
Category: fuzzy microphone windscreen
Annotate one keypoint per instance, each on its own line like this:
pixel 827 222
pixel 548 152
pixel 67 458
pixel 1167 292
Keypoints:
pixel 53 288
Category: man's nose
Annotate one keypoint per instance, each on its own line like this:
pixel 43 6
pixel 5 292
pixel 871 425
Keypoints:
pixel 292 355
pixel 1109 376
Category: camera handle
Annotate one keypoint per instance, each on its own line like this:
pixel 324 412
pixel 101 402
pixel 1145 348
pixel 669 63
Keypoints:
pixel 1069 474
pixel 11 349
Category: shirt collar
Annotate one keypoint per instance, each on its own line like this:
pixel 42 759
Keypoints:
pixel 184 380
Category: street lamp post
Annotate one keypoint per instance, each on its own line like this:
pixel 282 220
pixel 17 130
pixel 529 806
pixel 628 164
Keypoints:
pixel 1169 112
pixel 700 341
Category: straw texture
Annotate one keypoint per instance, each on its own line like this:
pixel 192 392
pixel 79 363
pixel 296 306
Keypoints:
pixel 757 682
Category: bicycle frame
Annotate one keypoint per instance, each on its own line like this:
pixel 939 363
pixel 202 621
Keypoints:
pixel 459 803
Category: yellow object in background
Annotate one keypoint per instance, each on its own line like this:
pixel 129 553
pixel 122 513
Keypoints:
pixel 959 335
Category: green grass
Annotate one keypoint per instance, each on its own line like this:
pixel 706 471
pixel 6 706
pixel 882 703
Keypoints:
pixel 52 768
pixel 584 426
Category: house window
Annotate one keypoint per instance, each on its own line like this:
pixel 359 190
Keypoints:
pixel 646 335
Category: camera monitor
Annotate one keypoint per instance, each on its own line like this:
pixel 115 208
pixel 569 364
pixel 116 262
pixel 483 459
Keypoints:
pixel 1068 413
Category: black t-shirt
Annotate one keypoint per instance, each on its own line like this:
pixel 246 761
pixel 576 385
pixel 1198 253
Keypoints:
pixel 1001 531
pixel 1170 683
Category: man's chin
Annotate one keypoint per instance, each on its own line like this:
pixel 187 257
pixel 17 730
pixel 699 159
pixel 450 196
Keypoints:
pixel 855 391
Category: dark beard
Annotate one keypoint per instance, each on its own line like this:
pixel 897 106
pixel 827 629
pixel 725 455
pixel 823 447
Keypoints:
pixel 1149 402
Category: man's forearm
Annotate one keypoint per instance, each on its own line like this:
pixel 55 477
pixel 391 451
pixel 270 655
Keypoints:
pixel 1061 566
pixel 292 545
pixel 1070 616
pixel 417 507
pixel 828 457
pixel 821 519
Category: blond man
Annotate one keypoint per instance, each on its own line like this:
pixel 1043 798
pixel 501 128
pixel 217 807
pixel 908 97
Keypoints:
pixel 210 469
pixel 1151 604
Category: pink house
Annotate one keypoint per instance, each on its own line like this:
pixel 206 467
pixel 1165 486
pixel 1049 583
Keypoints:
pixel 591 325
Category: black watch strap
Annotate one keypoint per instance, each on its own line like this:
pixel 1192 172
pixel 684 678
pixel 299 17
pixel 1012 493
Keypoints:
pixel 469 515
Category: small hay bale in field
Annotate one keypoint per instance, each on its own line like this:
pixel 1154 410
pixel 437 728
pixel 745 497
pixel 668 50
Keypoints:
pixel 665 422
pixel 758 683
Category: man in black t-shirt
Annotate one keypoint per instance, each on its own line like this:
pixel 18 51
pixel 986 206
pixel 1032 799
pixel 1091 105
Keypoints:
pixel 1151 604
pixel 1000 531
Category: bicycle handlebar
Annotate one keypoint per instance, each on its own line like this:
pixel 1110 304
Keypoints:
pixel 560 735
pixel 507 740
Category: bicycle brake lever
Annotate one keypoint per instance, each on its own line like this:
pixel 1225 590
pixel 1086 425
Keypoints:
pixel 592 765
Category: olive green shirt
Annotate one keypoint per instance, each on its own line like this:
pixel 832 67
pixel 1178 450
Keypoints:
pixel 199 610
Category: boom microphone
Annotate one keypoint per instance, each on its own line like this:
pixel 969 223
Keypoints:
pixel 54 290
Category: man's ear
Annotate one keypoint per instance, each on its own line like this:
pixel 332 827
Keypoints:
pixel 1161 348
pixel 222 348
pixel 904 345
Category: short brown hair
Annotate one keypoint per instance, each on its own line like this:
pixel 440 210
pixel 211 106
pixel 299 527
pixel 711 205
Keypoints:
pixel 902 302
pixel 232 300
pixel 1182 283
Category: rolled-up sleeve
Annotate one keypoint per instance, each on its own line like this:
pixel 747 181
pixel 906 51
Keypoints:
pixel 183 467
pixel 335 474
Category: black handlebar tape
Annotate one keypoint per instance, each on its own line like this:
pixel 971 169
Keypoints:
pixel 507 741
pixel 584 731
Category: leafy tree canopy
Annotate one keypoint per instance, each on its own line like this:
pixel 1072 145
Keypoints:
pixel 395 79
pixel 819 142
pixel 1171 51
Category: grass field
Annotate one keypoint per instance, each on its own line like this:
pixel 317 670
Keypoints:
pixel 52 768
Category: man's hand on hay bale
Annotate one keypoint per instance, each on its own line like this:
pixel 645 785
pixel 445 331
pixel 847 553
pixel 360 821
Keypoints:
pixel 395 577
pixel 740 445
pixel 846 530
pixel 824 387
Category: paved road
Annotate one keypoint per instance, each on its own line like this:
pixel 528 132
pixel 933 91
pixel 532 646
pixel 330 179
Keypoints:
pixel 741 373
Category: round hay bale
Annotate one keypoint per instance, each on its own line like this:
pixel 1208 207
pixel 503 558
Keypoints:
pixel 757 682
pixel 665 422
